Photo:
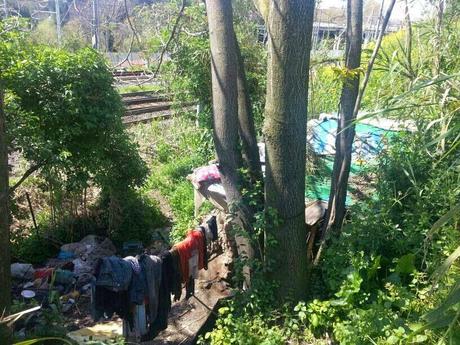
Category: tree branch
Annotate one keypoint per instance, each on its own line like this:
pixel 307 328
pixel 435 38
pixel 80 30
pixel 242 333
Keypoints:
pixel 173 33
pixel 131 24
pixel 370 65
pixel 28 172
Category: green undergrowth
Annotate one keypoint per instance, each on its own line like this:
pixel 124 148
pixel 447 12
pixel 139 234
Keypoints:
pixel 374 283
pixel 139 88
pixel 173 150
pixel 127 217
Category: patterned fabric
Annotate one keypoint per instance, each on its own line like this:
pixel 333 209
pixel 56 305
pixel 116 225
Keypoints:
pixel 206 173
pixel 134 263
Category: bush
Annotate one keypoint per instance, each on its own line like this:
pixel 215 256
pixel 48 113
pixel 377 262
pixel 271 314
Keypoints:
pixel 32 248
pixel 129 216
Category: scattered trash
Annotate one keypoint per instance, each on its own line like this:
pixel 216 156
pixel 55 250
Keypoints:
pixel 81 267
pixel 86 288
pixel 73 295
pixel 64 277
pixel 28 285
pixel 90 249
pixel 132 248
pixel 27 294
pixel 42 273
pixel 65 255
pixel 68 305
pixel 41 283
pixel 100 332
pixel 22 271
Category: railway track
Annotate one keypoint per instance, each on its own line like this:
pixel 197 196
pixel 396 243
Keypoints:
pixel 133 78
pixel 145 106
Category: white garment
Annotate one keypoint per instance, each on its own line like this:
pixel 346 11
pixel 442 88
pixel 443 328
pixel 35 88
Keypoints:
pixel 193 264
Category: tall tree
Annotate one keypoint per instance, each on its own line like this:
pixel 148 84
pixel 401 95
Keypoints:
pixel 289 24
pixel 247 130
pixel 224 70
pixel 346 127
pixel 233 122
pixel 5 277
pixel 350 103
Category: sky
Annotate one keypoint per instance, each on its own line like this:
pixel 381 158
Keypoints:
pixel 417 8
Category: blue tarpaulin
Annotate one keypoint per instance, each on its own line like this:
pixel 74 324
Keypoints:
pixel 369 142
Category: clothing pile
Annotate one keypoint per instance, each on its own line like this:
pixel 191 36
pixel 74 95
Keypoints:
pixel 138 289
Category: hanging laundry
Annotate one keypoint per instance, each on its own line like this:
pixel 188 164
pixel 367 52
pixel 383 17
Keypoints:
pixel 106 302
pixel 114 273
pixel 138 286
pixel 138 289
pixel 205 246
pixel 174 273
pixel 191 253
pixel 212 226
pixel 152 266
pixel 109 293
pixel 170 284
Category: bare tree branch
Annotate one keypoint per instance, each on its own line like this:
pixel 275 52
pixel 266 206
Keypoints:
pixel 370 65
pixel 173 33
pixel 28 172
pixel 131 24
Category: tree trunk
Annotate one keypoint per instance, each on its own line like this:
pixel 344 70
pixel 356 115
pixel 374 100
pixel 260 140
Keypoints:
pixel 5 276
pixel 289 27
pixel 345 128
pixel 224 70
pixel 247 129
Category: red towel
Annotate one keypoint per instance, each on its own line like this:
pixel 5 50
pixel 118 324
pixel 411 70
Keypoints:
pixel 193 242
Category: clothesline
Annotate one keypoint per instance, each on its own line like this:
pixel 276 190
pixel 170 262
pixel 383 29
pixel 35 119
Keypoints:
pixel 138 289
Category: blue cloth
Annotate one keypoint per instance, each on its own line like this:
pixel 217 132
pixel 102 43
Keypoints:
pixel 367 144
pixel 114 273
pixel 138 287
pixel 65 255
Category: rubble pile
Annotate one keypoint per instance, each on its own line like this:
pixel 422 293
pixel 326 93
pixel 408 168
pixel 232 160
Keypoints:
pixel 69 274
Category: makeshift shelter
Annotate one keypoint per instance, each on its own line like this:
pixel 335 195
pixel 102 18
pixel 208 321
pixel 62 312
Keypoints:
pixel 372 135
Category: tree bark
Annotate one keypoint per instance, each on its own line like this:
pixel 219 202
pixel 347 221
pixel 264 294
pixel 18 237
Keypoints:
pixel 224 71
pixel 289 27
pixel 247 129
pixel 345 127
pixel 5 276
pixel 224 93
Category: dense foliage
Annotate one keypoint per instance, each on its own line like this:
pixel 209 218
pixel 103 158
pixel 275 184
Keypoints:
pixel 64 120
pixel 173 153
pixel 383 280
pixel 376 282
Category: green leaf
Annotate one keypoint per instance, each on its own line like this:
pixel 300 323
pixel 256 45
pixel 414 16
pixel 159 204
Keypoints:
pixel 405 264
pixel 450 301
pixel 40 340
pixel 420 338
pixel 392 340
pixel 451 214
pixel 302 315
pixel 314 320
pixel 441 271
